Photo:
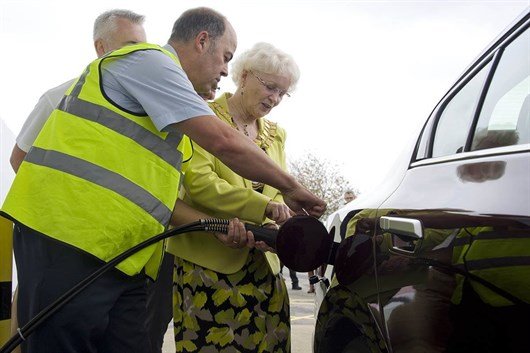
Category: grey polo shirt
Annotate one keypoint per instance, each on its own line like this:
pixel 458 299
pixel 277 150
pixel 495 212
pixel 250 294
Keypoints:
pixel 149 82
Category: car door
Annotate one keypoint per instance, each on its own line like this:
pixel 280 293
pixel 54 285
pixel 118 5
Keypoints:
pixel 468 179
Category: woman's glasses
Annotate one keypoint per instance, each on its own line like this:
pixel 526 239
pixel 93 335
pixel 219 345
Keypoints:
pixel 271 87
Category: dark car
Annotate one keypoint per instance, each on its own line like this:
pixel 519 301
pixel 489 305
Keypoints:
pixel 438 259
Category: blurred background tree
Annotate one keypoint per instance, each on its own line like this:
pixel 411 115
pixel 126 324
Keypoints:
pixel 323 178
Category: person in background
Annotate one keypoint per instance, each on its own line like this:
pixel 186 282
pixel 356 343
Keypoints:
pixel 311 285
pixel 113 142
pixel 224 296
pixel 349 196
pixel 113 29
pixel 294 278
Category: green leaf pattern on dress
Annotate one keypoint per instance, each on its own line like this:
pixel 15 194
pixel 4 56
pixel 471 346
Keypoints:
pixel 247 311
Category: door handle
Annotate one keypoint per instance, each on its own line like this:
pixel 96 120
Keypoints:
pixel 407 233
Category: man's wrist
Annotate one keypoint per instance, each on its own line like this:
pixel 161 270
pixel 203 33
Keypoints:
pixel 290 185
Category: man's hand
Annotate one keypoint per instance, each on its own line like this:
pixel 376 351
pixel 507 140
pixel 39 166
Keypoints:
pixel 302 201
pixel 278 212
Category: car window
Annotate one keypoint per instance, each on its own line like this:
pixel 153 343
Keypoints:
pixel 455 120
pixel 505 116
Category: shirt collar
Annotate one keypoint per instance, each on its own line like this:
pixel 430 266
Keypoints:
pixel 172 50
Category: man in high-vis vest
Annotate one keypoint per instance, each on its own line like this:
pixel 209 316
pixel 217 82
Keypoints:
pixel 112 30
pixel 104 173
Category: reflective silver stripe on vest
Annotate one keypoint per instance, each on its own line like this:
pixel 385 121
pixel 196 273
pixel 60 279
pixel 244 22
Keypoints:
pixel 103 177
pixel 474 265
pixel 79 84
pixel 166 150
pixel 174 137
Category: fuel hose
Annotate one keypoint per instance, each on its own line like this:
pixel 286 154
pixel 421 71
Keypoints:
pixel 212 225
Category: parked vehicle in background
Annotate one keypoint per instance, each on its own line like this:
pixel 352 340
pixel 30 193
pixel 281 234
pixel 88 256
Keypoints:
pixel 438 259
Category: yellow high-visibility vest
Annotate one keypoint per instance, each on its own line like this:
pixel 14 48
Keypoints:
pixel 501 257
pixel 100 178
pixel 6 267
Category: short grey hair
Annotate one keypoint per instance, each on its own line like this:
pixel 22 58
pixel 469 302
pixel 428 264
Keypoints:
pixel 266 58
pixel 105 23
pixel 194 21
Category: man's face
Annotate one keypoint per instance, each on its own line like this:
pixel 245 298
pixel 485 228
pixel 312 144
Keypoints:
pixel 348 197
pixel 126 33
pixel 212 64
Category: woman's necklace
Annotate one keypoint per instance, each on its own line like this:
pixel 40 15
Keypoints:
pixel 245 127
pixel 245 131
pixel 256 185
pixel 242 127
pixel 266 133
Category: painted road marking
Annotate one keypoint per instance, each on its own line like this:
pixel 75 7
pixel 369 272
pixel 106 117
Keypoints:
pixel 296 318
pixel 301 301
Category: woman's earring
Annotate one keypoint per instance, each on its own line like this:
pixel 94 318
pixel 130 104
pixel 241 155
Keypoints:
pixel 242 87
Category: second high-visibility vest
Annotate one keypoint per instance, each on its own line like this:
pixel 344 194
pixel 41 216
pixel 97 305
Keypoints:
pixel 98 177
pixel 501 257
pixel 6 266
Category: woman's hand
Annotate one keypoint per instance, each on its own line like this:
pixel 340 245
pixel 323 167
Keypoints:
pixel 237 236
pixel 278 212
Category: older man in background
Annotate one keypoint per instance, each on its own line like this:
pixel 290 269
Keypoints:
pixel 112 30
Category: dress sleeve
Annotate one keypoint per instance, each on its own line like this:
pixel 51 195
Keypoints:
pixel 281 136
pixel 278 154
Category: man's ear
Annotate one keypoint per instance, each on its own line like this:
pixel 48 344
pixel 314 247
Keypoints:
pixel 98 45
pixel 202 41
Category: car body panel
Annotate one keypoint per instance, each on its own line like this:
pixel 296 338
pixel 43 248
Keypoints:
pixel 399 262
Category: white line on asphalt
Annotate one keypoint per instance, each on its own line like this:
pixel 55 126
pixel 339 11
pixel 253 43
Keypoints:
pixel 295 318
pixel 302 302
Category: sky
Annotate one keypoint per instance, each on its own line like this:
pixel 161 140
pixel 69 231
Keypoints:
pixel 371 71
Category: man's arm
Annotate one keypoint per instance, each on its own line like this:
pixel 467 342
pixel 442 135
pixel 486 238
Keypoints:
pixel 17 156
pixel 175 105
pixel 35 121
pixel 246 159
